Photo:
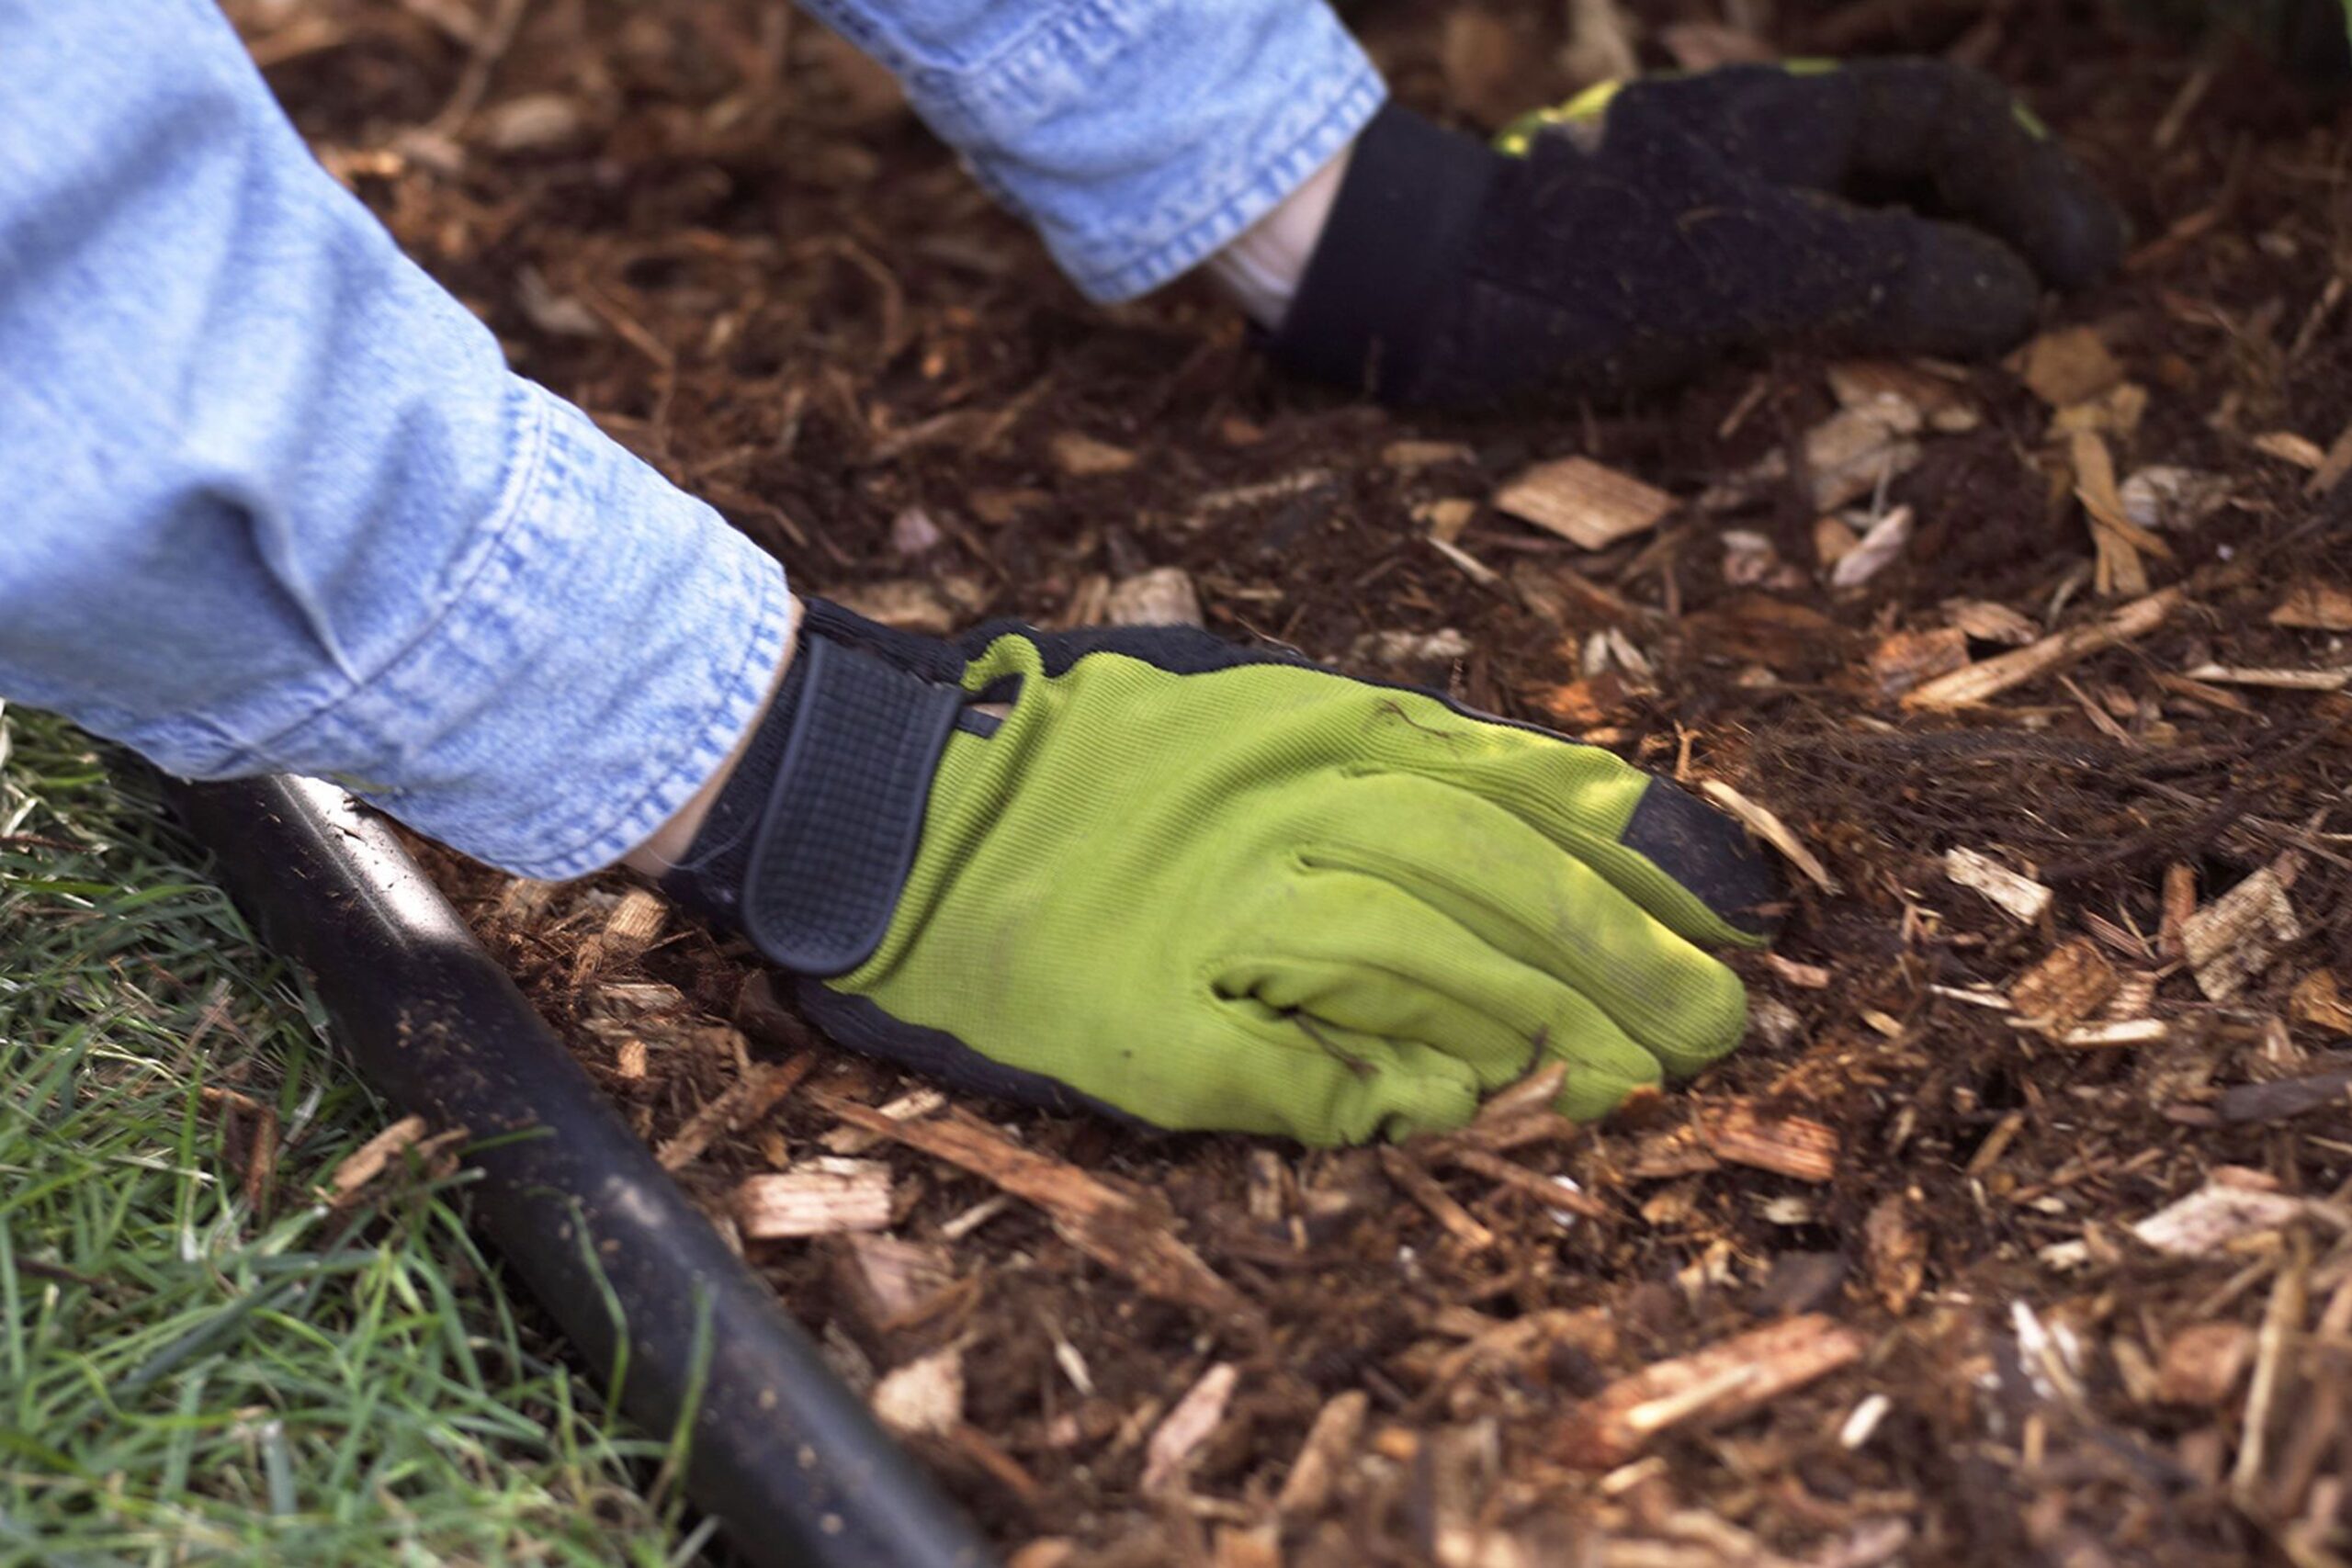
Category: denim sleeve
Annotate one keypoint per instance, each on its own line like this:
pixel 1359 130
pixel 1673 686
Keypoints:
pixel 1138 136
pixel 273 501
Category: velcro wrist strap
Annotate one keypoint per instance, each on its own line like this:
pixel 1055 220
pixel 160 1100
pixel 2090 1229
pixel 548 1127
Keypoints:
pixel 812 866
pixel 1400 231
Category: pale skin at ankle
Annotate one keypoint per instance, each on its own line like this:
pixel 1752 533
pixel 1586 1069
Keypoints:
pixel 672 839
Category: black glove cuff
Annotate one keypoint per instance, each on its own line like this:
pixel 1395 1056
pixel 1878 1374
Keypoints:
pixel 1400 230
pixel 809 843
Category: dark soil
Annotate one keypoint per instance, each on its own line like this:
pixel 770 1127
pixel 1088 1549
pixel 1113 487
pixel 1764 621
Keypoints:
pixel 707 223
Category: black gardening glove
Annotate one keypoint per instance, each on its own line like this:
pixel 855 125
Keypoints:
pixel 1649 229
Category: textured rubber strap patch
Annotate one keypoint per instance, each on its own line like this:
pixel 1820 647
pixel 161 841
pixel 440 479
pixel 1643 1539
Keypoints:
pixel 1707 852
pixel 845 812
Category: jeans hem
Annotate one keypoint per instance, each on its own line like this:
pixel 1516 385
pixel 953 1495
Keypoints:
pixel 1321 142
pixel 746 688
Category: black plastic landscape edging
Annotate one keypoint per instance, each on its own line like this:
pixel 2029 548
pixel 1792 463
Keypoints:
pixel 782 1451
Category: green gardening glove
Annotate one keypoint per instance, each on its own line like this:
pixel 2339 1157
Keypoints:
pixel 1208 888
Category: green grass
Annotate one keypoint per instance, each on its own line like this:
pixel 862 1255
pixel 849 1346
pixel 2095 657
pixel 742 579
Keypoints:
pixel 185 1379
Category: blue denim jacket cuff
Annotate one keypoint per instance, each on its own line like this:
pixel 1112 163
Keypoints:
pixel 1137 136
pixel 611 646
pixel 1109 279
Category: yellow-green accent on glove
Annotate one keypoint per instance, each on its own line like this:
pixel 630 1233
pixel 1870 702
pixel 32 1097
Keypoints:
pixel 1590 105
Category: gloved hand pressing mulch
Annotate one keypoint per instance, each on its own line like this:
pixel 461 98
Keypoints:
pixel 1208 888
pixel 1649 228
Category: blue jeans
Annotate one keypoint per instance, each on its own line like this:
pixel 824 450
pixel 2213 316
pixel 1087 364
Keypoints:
pixel 278 505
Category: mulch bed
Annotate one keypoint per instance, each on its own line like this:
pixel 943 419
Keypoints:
pixel 2022 1227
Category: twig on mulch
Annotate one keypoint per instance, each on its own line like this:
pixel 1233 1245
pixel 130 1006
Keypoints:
pixel 1328 1442
pixel 1553 1191
pixel 1769 826
pixel 753 1096
pixel 1413 1180
pixel 1990 677
pixel 1193 1421
pixel 1109 1226
pixel 404 1140
pixel 2278 1100
pixel 1721 1382
pixel 1792 1145
pixel 1518 1116
pixel 828 1196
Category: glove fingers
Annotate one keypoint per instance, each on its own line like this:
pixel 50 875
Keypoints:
pixel 1219 1063
pixel 1339 1085
pixel 1521 894
pixel 1951 291
pixel 1604 1062
pixel 1796 267
pixel 1898 128
pixel 1745 264
pixel 1603 1068
pixel 1960 133
pixel 1369 956
pixel 1686 864
pixel 1363 955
